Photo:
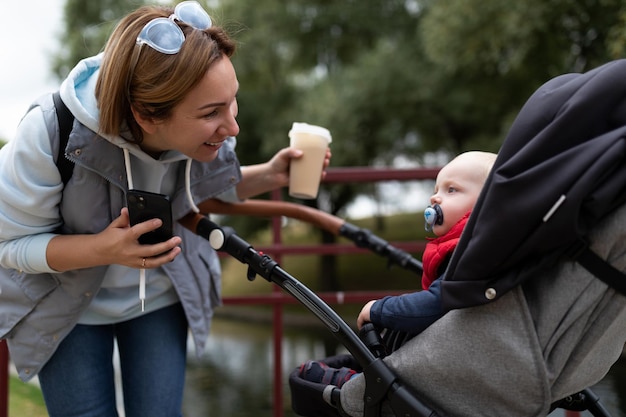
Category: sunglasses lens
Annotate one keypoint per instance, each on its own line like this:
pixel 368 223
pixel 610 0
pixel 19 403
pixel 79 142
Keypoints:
pixel 163 35
pixel 193 14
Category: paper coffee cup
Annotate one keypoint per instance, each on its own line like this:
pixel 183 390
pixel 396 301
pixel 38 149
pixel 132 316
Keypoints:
pixel 305 172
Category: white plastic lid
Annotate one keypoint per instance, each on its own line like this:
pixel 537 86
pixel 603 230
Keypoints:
pixel 312 129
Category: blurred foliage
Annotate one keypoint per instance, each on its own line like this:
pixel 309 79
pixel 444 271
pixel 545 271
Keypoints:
pixel 388 78
pixel 406 77
pixel 87 25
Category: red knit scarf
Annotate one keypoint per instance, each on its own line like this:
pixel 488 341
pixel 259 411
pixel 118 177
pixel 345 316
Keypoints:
pixel 438 250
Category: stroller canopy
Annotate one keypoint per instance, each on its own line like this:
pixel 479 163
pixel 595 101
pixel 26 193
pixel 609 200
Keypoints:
pixel 561 170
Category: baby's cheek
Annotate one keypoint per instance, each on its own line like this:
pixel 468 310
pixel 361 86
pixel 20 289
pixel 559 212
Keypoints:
pixel 440 230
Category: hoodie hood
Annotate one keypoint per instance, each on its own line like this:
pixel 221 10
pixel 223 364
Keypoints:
pixel 77 91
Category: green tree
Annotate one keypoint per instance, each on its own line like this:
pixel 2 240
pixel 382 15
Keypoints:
pixel 307 61
pixel 407 77
pixel 290 64
pixel 87 24
pixel 387 77
pixel 501 51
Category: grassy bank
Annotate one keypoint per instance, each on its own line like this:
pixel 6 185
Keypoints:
pixel 25 400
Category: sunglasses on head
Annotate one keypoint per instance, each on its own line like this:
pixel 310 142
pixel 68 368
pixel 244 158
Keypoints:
pixel 164 35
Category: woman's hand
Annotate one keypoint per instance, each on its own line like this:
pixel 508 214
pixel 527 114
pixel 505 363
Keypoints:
pixel 121 243
pixel 117 244
pixel 280 162
pixel 261 178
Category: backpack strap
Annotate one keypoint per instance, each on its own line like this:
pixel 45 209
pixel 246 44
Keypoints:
pixel 65 119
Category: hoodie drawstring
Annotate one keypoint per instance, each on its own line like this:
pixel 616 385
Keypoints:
pixel 188 186
pixel 129 178
pixel 142 271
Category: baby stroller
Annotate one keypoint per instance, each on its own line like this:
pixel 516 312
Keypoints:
pixel 532 322
pixel 385 393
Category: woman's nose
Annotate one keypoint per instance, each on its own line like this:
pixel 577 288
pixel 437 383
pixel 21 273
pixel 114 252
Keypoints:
pixel 230 127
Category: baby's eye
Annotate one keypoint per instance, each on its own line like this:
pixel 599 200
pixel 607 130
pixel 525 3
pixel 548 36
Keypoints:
pixel 451 190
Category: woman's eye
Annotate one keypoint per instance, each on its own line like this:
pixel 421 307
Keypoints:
pixel 210 115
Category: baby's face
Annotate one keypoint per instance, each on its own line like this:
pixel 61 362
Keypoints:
pixel 457 188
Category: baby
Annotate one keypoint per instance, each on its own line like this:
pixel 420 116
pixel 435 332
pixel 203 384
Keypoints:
pixel 457 188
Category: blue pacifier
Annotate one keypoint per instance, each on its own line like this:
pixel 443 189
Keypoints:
pixel 432 216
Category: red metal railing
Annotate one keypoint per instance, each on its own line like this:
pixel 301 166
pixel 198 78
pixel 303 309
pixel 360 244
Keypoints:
pixel 277 250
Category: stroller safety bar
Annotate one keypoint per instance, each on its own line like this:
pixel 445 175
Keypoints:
pixel 224 239
pixel 384 385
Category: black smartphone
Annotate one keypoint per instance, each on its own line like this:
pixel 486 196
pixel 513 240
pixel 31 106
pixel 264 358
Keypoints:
pixel 142 206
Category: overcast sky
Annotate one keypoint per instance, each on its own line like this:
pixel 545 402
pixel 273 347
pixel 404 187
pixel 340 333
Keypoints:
pixel 30 32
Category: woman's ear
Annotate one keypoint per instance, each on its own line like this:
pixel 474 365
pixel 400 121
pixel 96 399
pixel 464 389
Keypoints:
pixel 147 124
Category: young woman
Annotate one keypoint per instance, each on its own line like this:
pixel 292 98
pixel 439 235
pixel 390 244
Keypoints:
pixel 156 112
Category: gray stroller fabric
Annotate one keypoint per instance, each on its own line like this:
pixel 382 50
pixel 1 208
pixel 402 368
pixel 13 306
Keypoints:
pixel 555 335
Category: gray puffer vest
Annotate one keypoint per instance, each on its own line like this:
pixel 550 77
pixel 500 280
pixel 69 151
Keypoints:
pixel 39 310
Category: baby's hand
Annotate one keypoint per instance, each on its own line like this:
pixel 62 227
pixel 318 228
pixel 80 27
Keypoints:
pixel 364 315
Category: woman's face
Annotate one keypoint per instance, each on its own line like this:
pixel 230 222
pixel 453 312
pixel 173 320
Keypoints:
pixel 201 122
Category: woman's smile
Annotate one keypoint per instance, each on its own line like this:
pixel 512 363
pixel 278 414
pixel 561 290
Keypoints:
pixel 214 144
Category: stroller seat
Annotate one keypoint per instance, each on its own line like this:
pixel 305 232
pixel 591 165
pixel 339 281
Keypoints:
pixel 553 336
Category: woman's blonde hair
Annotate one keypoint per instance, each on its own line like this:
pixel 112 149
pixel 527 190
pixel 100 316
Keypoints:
pixel 150 81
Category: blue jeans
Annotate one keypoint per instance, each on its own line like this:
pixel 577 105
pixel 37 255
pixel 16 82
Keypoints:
pixel 78 381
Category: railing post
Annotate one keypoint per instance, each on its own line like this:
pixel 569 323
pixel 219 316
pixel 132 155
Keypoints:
pixel 278 357
pixel 277 309
pixel 4 379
